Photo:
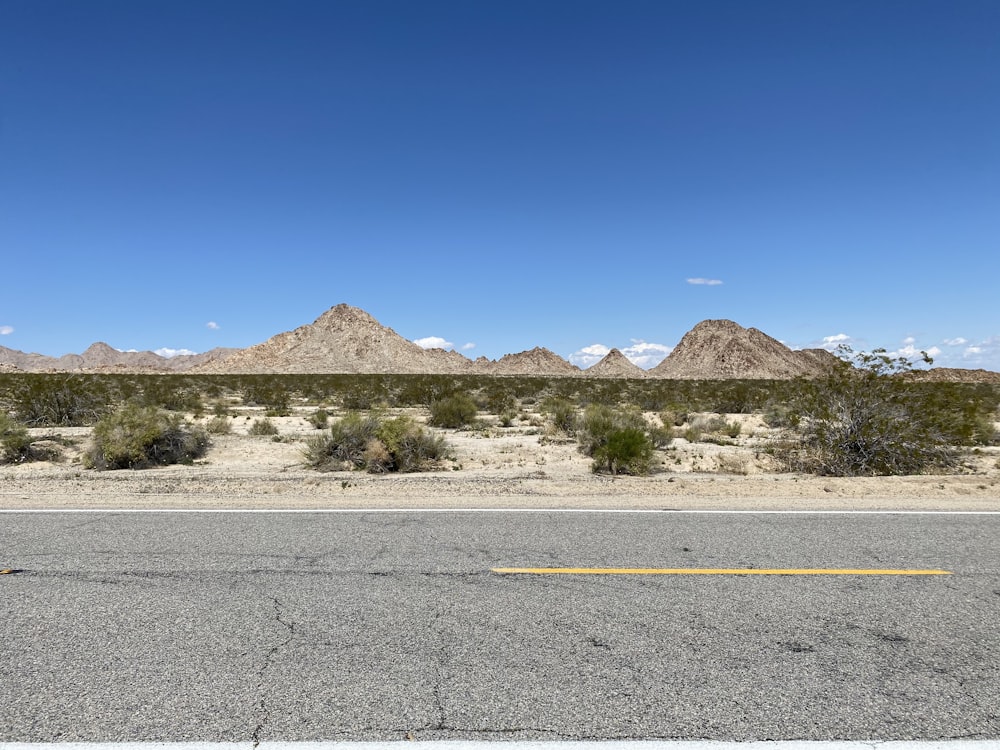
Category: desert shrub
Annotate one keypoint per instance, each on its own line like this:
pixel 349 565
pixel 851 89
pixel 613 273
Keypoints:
pixel 675 417
pixel 136 437
pixel 269 392
pixel 660 436
pixel 625 451
pixel 733 429
pixel 562 413
pixel 170 393
pixel 409 446
pixel 374 444
pixel 62 399
pixel 692 434
pixel 221 409
pixel 863 419
pixel 263 427
pixel 363 394
pixel 617 439
pixel 454 411
pixel 501 402
pixel 781 414
pixel 320 419
pixel 709 423
pixel 15 443
pixel 219 426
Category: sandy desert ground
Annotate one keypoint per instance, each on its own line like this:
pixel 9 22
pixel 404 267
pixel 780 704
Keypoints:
pixel 493 467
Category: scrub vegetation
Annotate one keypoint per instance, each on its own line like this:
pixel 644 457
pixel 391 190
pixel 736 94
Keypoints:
pixel 867 417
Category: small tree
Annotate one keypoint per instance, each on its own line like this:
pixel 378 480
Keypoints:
pixel 865 419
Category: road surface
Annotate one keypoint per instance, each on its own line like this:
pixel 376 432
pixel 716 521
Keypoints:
pixel 263 627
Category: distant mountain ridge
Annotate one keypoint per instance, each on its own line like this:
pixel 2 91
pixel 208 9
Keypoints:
pixel 100 357
pixel 347 339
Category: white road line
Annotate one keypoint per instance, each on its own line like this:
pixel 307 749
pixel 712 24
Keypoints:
pixel 595 511
pixel 522 745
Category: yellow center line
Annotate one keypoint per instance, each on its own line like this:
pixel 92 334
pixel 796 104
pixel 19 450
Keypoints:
pixel 720 571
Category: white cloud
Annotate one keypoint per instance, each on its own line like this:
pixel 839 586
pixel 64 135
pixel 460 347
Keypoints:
pixel 955 341
pixel 911 352
pixel 704 282
pixel 168 352
pixel 589 355
pixel 646 354
pixel 985 354
pixel 466 347
pixel 212 325
pixel 830 343
pixel 6 330
pixel 433 342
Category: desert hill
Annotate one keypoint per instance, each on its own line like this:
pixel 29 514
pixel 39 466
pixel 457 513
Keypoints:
pixel 955 375
pixel 100 357
pixel 722 349
pixel 346 339
pixel 537 361
pixel 614 364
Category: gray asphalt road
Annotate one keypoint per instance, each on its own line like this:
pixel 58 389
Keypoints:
pixel 237 627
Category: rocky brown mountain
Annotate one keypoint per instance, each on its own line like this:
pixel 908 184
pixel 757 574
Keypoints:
pixel 537 361
pixel 722 349
pixel 101 357
pixel 344 339
pixel 614 364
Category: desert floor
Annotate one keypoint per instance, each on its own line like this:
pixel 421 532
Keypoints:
pixel 490 467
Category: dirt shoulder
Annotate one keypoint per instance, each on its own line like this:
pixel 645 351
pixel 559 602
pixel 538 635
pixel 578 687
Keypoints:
pixel 487 469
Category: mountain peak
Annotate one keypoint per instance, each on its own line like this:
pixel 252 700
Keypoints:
pixel 614 364
pixel 722 349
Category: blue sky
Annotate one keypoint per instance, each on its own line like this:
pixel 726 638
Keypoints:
pixel 501 175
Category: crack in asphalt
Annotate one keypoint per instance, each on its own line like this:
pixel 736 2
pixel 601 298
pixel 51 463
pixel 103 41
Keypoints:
pixel 441 657
pixel 263 711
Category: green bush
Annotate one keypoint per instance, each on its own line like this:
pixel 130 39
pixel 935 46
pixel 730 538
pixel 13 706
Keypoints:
pixel 263 427
pixel 617 439
pixel 864 419
pixel 60 399
pixel 268 391
pixel 15 443
pixel 501 402
pixel 454 411
pixel 137 437
pixel 625 451
pixel 374 444
pixel 562 413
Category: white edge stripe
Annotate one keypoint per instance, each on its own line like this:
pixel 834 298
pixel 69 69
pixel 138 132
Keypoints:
pixel 620 511
pixel 520 745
